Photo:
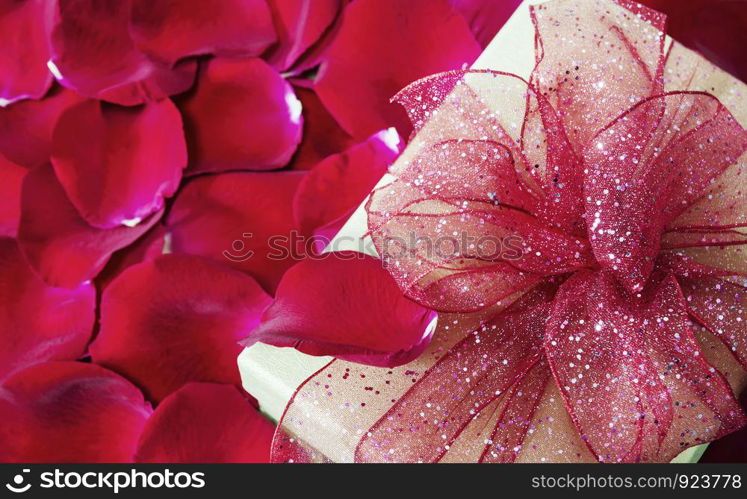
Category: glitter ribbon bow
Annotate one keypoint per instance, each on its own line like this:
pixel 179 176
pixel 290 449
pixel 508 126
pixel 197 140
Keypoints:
pixel 592 218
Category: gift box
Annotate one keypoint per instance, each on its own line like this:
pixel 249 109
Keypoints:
pixel 332 421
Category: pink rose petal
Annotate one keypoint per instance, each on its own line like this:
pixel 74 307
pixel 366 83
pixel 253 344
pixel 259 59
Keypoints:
pixel 243 220
pixel 206 423
pixel 23 60
pixel 11 179
pixel 485 17
pixel 322 135
pixel 715 28
pixel 26 127
pixel 169 30
pixel 176 319
pixel 39 322
pixel 300 24
pixel 242 116
pixel 131 160
pixel 340 183
pixel 148 247
pixel 382 46
pixel 70 412
pixel 58 243
pixel 345 305
pixel 93 54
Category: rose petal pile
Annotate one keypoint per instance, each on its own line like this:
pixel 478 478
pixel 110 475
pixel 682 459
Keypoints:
pixel 158 162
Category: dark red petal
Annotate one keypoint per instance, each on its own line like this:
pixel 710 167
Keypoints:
pixel 382 46
pixel 243 220
pixel 348 306
pixel 11 179
pixel 58 243
pixel 176 319
pixel 485 17
pixel 92 53
pixel 299 24
pixel 26 127
pixel 23 61
pixel 322 135
pixel 715 28
pixel 243 115
pixel 160 84
pixel 70 412
pixel 631 372
pixel 39 322
pixel 148 247
pixel 206 423
pixel 131 160
pixel 731 448
pixel 169 30
pixel 340 183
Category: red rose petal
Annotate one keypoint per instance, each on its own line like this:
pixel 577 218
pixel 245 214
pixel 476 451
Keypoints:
pixel 58 243
pixel 160 84
pixel 485 17
pixel 715 28
pixel 731 448
pixel 23 60
pixel 131 160
pixel 243 115
pixel 382 46
pixel 206 423
pixel 70 412
pixel 348 306
pixel 93 54
pixel 176 319
pixel 11 179
pixel 148 247
pixel 299 24
pixel 602 343
pixel 322 135
pixel 26 127
pixel 243 220
pixel 169 30
pixel 39 322
pixel 340 183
